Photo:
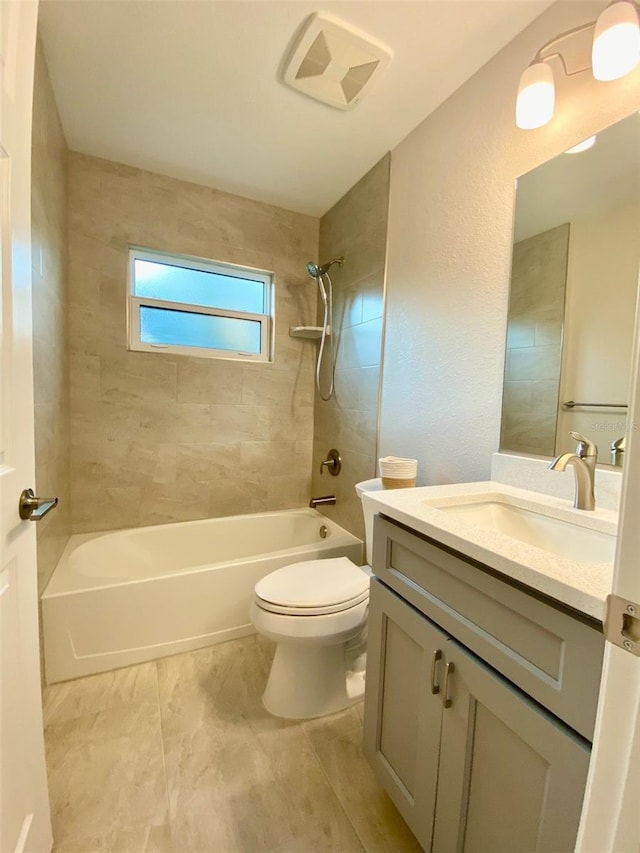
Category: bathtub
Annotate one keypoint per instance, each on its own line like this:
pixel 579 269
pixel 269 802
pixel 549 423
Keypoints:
pixel 129 596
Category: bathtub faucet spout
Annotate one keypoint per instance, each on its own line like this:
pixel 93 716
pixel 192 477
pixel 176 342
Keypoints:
pixel 325 500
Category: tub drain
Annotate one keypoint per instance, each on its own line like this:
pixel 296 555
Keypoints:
pixel 324 532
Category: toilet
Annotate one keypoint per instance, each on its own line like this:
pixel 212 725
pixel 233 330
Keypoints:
pixel 316 612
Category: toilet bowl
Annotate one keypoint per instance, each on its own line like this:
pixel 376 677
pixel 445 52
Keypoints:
pixel 316 612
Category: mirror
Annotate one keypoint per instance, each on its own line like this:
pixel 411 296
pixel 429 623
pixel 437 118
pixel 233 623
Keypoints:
pixel 572 304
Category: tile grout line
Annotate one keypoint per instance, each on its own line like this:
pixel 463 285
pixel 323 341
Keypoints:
pixel 162 752
pixel 335 793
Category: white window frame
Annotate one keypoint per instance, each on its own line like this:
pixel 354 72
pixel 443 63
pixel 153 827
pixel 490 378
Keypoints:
pixel 134 303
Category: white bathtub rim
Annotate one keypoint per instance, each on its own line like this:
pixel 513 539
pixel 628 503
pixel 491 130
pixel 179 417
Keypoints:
pixel 293 552
pixel 343 537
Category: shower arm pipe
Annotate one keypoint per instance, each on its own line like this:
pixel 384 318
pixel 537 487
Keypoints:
pixel 317 272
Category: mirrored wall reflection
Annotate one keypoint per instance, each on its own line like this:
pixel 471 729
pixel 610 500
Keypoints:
pixel 574 286
pixel 534 341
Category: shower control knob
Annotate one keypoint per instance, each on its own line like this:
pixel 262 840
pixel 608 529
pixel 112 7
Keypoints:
pixel 333 463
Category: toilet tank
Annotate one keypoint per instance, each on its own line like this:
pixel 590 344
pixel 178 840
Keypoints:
pixel 374 485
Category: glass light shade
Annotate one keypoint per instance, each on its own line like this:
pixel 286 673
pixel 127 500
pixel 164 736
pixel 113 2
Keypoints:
pixel 536 97
pixel 616 41
pixel 585 145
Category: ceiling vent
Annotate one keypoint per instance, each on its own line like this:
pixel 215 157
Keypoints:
pixel 335 63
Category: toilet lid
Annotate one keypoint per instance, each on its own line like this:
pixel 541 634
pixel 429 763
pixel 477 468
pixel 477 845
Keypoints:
pixel 315 584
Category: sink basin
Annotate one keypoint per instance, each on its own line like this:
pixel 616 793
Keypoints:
pixel 560 536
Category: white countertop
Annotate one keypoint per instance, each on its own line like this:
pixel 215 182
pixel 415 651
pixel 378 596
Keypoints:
pixel 583 586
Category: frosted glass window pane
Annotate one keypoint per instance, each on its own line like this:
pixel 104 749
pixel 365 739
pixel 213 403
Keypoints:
pixel 171 283
pixel 180 328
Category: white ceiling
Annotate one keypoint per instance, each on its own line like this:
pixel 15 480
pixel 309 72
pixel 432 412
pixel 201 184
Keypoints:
pixel 192 90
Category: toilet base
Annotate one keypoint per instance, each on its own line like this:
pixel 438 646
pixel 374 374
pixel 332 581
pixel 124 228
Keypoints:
pixel 312 681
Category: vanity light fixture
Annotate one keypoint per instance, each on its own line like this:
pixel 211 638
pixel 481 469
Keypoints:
pixel 582 146
pixel 536 96
pixel 616 41
pixel 615 53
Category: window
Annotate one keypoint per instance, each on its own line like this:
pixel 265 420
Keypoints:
pixel 198 307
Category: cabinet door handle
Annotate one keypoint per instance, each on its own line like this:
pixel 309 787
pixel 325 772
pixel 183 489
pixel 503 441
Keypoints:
pixel 450 669
pixel 437 655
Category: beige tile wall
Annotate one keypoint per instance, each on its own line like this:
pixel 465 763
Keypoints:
pixel 355 227
pixel 50 312
pixel 534 342
pixel 160 438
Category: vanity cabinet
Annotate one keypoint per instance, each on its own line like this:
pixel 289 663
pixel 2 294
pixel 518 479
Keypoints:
pixel 471 761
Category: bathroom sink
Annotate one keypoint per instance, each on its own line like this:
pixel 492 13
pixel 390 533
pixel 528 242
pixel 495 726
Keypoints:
pixel 560 536
pixel 536 539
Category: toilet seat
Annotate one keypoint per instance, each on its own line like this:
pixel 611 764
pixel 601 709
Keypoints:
pixel 311 611
pixel 313 588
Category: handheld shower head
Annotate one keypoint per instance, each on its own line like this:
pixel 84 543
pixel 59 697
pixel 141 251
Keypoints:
pixel 320 274
pixel 316 271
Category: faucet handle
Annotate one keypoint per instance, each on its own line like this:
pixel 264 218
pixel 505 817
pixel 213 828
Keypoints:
pixel 619 444
pixel 585 446
pixel 333 462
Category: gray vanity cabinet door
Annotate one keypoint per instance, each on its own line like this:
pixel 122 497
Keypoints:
pixel 402 715
pixel 512 776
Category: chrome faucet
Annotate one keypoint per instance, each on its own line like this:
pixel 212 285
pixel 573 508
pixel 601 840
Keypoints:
pixel 325 500
pixel 583 462
pixel 617 451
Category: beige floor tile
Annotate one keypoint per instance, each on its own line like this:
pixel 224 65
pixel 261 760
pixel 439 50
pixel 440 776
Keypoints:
pixel 210 750
pixel 239 779
pixel 71 699
pixel 216 671
pixel 335 725
pixel 188 761
pixel 202 832
pixel 373 815
pixel 243 817
pixel 140 839
pixel 261 721
pixel 308 805
pixel 294 811
pixel 209 767
pixel 203 694
pixel 322 842
pixel 106 771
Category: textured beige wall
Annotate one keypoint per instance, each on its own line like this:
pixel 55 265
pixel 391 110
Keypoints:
pixel 355 227
pixel 160 438
pixel 602 293
pixel 534 342
pixel 450 235
pixel 50 319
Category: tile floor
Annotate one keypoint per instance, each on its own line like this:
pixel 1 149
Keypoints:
pixel 179 755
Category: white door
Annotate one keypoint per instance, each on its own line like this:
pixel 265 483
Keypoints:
pixel 24 806
pixel 610 822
